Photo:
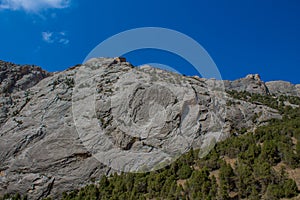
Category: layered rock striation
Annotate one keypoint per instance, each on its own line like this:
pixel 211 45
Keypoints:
pixel 61 131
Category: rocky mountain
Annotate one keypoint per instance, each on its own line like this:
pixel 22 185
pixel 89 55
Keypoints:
pixel 283 88
pixel 60 131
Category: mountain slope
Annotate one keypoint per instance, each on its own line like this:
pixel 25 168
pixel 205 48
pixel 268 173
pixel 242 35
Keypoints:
pixel 47 148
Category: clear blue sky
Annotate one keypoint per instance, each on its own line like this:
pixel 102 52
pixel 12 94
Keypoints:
pixel 242 37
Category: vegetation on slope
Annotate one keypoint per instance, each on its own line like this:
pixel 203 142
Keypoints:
pixel 242 166
pixel 246 166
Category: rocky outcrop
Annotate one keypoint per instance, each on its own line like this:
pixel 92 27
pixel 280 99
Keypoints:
pixel 15 78
pixel 61 131
pixel 40 153
pixel 283 88
pixel 14 82
pixel 251 83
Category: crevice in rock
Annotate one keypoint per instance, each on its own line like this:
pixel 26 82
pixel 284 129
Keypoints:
pixel 47 191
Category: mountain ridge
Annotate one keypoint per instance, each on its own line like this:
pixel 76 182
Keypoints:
pixel 41 153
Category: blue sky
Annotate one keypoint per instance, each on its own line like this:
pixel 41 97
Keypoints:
pixel 242 37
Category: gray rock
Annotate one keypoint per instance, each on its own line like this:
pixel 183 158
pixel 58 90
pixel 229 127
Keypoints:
pixel 283 88
pixel 251 83
pixel 60 131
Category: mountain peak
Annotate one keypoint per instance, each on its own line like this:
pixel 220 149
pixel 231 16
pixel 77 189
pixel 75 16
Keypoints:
pixel 254 77
pixel 140 111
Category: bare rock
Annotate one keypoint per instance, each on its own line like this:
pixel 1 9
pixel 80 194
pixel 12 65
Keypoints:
pixel 283 88
pixel 61 131
pixel 251 83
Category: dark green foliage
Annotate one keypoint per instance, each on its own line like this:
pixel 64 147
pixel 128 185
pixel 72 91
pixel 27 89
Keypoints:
pixel 252 177
pixel 184 172
pixel 234 145
pixel 226 181
pixel 270 152
pixel 227 177
pixel 284 189
pixel 199 185
pixel 211 161
pixel 13 197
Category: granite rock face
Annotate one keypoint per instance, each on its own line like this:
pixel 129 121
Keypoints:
pixel 251 83
pixel 60 131
pixel 14 82
pixel 19 78
pixel 39 150
pixel 283 88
